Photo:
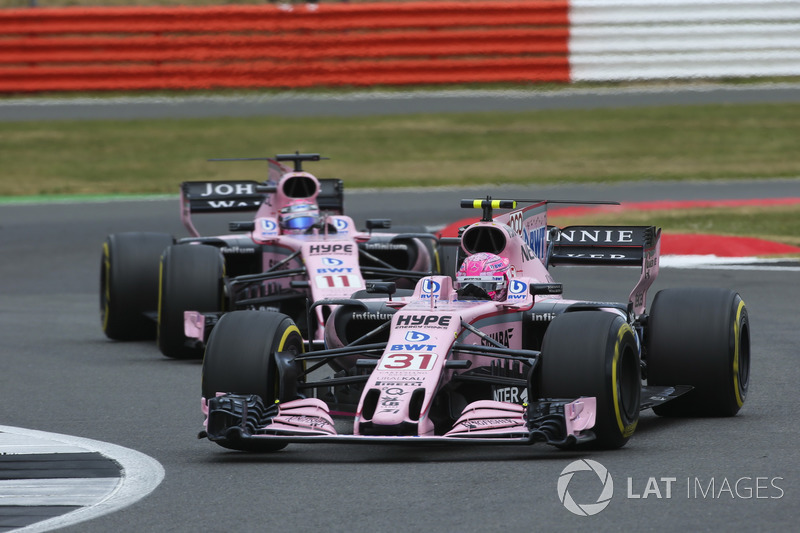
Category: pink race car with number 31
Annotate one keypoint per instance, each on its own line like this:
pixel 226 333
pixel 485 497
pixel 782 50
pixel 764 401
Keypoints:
pixel 489 354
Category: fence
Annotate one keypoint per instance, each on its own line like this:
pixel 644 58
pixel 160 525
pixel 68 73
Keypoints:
pixel 86 49
pixel 263 46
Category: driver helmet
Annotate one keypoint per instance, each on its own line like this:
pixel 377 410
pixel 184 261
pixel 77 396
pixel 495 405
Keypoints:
pixel 486 272
pixel 298 216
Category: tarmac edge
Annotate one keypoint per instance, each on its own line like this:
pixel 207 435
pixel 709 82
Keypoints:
pixel 140 475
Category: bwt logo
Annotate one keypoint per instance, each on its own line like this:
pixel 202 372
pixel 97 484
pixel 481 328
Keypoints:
pixel 341 225
pixel 268 225
pixel 331 261
pixel 517 287
pixel 537 241
pixel 606 492
pixel 430 288
pixel 417 336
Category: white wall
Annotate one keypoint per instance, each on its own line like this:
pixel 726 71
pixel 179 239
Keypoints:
pixel 661 39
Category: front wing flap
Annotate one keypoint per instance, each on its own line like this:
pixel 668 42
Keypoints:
pixel 231 417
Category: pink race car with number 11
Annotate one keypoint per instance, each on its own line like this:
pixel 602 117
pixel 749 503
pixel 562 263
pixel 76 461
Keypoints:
pixel 298 247
pixel 490 354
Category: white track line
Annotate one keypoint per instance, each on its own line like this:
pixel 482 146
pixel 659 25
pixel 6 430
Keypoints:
pixel 140 474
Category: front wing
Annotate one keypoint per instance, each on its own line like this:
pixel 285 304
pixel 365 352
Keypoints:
pixel 232 419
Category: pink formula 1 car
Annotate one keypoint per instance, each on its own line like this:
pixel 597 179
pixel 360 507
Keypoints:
pixel 491 353
pixel 298 248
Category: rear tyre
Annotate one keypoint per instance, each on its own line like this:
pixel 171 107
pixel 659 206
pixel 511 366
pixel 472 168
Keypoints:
pixel 699 337
pixel 240 359
pixel 191 280
pixel 595 353
pixel 129 284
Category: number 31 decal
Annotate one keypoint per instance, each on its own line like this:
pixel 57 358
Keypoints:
pixel 408 361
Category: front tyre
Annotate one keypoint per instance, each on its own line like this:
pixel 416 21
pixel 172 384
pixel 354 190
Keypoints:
pixel 595 353
pixel 191 279
pixel 129 284
pixel 699 337
pixel 240 359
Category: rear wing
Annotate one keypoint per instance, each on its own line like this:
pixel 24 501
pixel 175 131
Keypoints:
pixel 601 245
pixel 612 246
pixel 219 197
pixel 245 196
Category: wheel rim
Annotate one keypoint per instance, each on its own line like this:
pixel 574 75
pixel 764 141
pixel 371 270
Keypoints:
pixel 628 384
pixel 105 265
pixel 741 356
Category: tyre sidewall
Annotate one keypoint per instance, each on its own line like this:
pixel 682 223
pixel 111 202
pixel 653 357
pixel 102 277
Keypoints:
pixel 239 356
pixel 701 338
pixel 595 354
pixel 191 278
pixel 129 284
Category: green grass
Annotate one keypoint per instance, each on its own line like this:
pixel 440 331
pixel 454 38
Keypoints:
pixel 537 147
pixel 531 148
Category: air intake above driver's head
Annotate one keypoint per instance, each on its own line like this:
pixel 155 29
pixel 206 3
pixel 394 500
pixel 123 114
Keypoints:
pixel 484 239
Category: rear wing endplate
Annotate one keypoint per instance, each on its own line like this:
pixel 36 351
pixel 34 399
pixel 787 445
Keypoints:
pixel 612 246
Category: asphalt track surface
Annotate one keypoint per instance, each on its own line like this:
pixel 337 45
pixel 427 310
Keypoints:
pixel 61 375
pixel 376 102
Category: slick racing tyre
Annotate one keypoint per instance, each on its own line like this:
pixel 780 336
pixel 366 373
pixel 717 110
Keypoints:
pixel 595 353
pixel 191 280
pixel 129 284
pixel 240 359
pixel 699 337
